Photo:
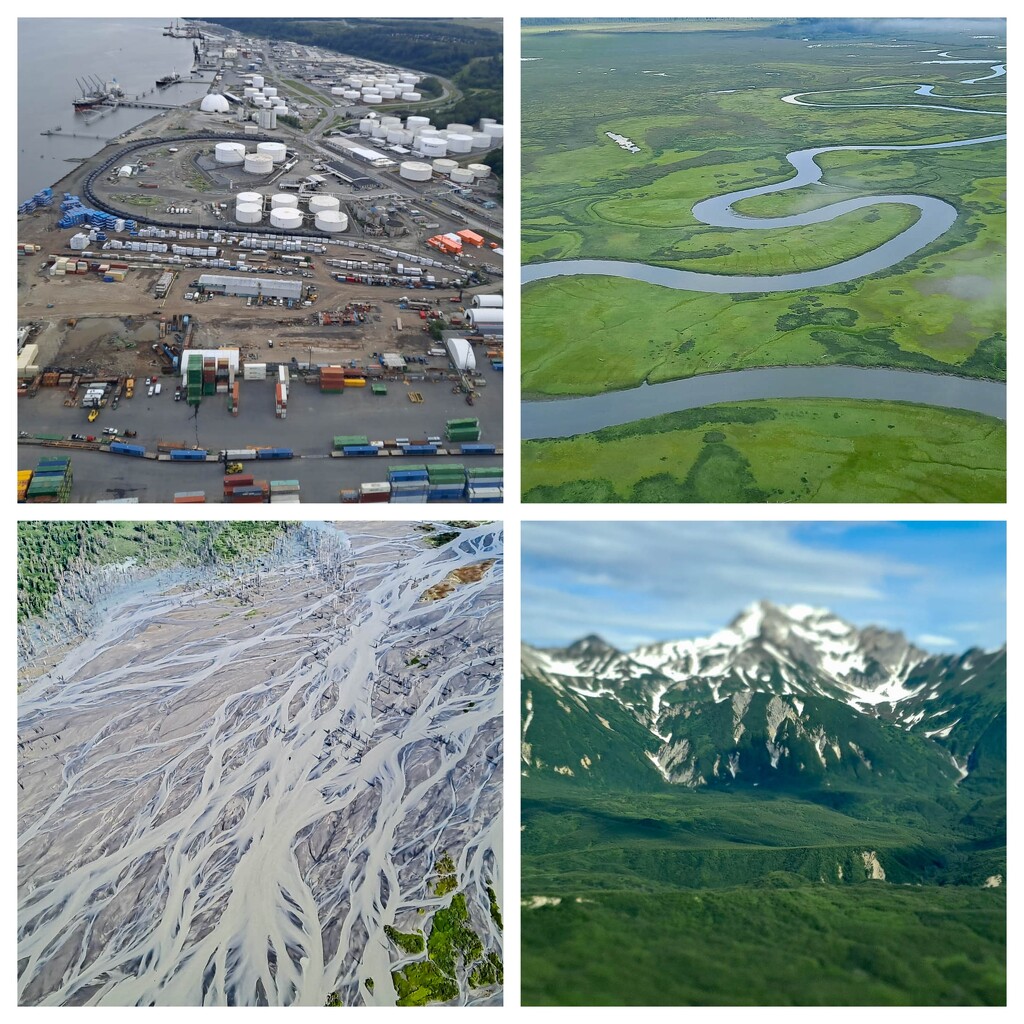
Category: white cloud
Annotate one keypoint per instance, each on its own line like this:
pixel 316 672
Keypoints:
pixel 930 640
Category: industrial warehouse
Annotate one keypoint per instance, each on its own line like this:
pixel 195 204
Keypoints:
pixel 303 262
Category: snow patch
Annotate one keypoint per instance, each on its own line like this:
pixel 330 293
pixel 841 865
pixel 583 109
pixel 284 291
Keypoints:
pixel 534 902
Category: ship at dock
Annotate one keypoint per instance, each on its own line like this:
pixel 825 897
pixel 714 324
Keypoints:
pixel 163 83
pixel 95 93
pixel 182 30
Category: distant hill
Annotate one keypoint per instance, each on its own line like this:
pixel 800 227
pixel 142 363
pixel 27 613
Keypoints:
pixel 443 46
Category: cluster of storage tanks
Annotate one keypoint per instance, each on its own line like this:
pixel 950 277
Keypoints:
pixel 286 215
pixel 419 170
pixel 260 162
pixel 432 143
pixel 264 96
pixel 373 89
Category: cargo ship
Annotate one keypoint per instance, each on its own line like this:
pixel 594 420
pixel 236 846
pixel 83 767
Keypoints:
pixel 162 83
pixel 96 93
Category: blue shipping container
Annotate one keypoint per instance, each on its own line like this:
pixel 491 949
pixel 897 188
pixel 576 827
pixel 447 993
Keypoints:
pixel 128 449
pixel 188 455
pixel 360 449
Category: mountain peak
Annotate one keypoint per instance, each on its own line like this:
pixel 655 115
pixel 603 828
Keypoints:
pixel 591 644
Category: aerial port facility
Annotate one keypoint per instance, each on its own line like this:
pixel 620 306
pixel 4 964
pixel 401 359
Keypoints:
pixel 300 262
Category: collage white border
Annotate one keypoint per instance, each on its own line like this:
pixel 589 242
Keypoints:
pixel 513 513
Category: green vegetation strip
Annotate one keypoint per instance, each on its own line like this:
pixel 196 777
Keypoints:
pixel 791 450
pixel 46 550
pixel 800 944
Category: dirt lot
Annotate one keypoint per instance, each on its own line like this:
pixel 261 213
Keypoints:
pixel 117 322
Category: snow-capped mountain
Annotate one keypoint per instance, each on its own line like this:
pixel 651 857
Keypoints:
pixel 797 649
pixel 790 692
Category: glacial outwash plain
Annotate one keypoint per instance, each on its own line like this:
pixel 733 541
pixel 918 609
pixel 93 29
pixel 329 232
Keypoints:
pixel 764 261
pixel 260 764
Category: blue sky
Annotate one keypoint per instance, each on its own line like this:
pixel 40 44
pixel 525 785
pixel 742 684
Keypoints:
pixel 941 583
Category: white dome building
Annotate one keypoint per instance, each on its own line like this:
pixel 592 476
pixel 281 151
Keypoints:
pixel 214 103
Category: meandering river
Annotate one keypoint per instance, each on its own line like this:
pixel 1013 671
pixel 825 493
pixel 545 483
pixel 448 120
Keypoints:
pixel 565 417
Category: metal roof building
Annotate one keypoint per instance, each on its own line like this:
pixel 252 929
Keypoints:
pixel 274 287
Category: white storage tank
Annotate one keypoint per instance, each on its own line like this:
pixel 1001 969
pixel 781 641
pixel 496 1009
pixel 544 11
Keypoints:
pixel 372 98
pixel 458 143
pixel 444 167
pixel 331 221
pixel 379 131
pixel 462 129
pixel 249 213
pixel 431 147
pixel 391 121
pixel 481 140
pixel 322 204
pixel 287 218
pixel 279 112
pixel 480 171
pixel 282 199
pixel 390 78
pixel 261 101
pixel 415 170
pixel 414 121
pixel 411 97
pixel 366 125
pixel 408 76
pixel 277 151
pixel 248 197
pixel 388 94
pixel 269 90
pixel 258 163
pixel 399 137
pixel 268 118
pixel 337 90
pixel 488 301
pixel 229 152
pixel 351 94
pixel 497 133
pixel 462 176
pixel 249 92
pixel 257 81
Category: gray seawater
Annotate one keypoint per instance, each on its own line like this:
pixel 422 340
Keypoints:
pixel 53 52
